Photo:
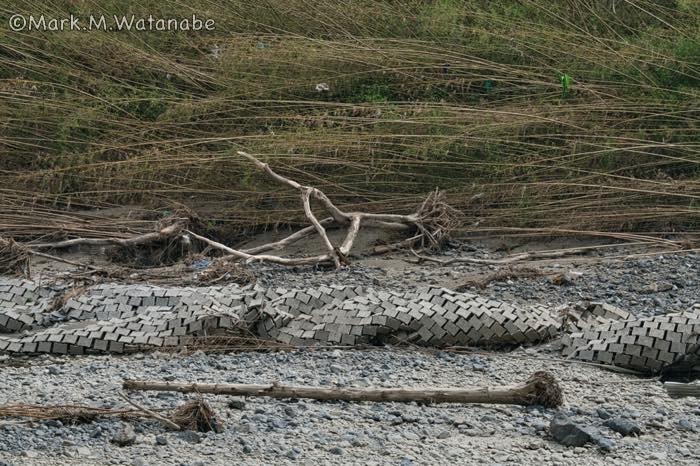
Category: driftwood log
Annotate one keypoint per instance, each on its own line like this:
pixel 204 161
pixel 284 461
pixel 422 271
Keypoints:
pixel 540 389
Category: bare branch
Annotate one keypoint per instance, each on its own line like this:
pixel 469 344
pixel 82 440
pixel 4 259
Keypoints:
pixel 266 168
pixel 306 200
pixel 263 258
pixel 353 230
pixel 291 239
pixel 150 413
pixel 388 225
pixel 164 233
pixel 337 214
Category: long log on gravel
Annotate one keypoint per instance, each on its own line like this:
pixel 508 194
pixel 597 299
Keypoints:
pixel 540 389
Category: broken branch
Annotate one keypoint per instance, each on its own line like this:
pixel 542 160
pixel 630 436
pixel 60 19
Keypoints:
pixel 261 258
pixel 293 238
pixel 306 200
pixel 335 212
pixel 150 413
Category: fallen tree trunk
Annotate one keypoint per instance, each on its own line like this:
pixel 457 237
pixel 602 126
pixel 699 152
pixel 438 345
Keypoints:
pixel 540 389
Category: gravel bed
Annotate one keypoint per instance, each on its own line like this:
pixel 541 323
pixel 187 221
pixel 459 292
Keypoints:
pixel 600 405
pixel 265 431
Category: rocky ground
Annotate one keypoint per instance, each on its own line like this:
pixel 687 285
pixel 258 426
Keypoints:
pixel 600 405
pixel 632 278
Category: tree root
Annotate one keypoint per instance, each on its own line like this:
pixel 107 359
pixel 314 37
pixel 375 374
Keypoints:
pixel 433 221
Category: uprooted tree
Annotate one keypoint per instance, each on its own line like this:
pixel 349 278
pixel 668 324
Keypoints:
pixel 427 228
pixel 430 225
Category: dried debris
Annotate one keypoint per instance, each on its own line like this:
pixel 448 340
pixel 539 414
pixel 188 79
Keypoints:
pixel 14 258
pixel 197 415
pixel 68 414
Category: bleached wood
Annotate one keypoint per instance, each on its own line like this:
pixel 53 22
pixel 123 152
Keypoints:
pixel 164 233
pixel 540 389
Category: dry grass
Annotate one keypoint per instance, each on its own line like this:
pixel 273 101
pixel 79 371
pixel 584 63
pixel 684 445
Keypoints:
pixel 67 413
pixel 14 258
pixel 458 95
pixel 197 415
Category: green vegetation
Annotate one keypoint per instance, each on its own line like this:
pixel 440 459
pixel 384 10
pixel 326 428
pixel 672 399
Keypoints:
pixel 573 114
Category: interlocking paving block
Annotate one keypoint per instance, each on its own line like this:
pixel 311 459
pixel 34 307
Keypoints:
pixel 117 316
pixel 632 348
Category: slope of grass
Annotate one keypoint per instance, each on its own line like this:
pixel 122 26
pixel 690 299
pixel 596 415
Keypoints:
pixel 465 95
